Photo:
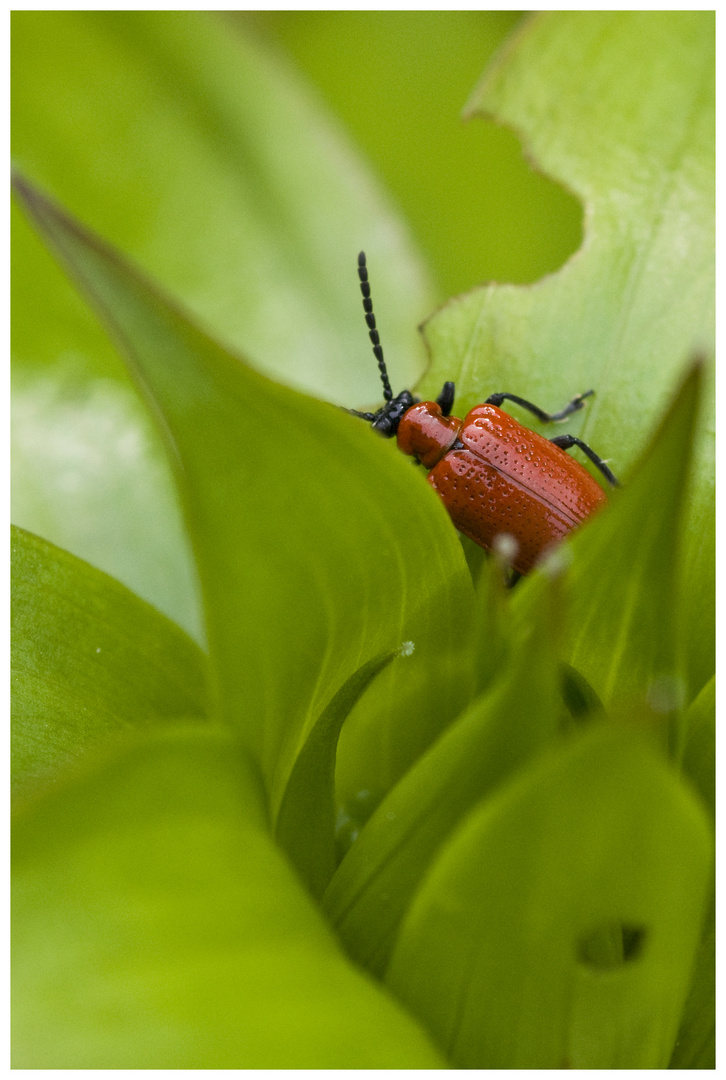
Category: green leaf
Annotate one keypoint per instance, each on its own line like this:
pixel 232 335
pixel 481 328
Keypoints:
pixel 89 660
pixel 177 936
pixel 623 626
pixel 200 153
pixel 699 757
pixel 305 825
pixel 409 706
pixel 513 720
pixel 287 534
pixel 493 631
pixel 619 107
pixel 696 1043
pixel 493 955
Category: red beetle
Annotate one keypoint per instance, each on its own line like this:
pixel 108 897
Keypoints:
pixel 493 475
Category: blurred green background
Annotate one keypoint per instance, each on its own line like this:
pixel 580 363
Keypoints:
pixel 475 206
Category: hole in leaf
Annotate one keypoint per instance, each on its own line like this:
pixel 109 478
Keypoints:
pixel 579 697
pixel 611 945
pixel 472 198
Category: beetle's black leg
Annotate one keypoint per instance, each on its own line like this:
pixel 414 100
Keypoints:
pixel 566 441
pixel 545 417
pixel 445 400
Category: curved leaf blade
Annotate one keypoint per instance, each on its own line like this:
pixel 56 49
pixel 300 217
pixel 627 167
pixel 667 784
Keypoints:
pixel 624 630
pixel 287 530
pixel 696 1044
pixel 512 721
pixel 158 927
pixel 89 661
pixel 490 954
pixel 699 755
pixel 305 821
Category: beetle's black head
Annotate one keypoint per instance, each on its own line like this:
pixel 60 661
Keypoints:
pixel 388 417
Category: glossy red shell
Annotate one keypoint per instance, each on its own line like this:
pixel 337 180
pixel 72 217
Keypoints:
pixel 505 479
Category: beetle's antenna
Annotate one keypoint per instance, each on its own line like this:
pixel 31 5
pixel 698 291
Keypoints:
pixel 371 321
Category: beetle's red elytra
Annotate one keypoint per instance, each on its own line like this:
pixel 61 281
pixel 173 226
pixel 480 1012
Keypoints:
pixel 494 476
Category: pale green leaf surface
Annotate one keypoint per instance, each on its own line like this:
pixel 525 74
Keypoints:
pixel 601 833
pixel 178 936
pixel 89 661
pixel 287 534
pixel 89 473
pixel 623 625
pixel 619 107
pixel 502 728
